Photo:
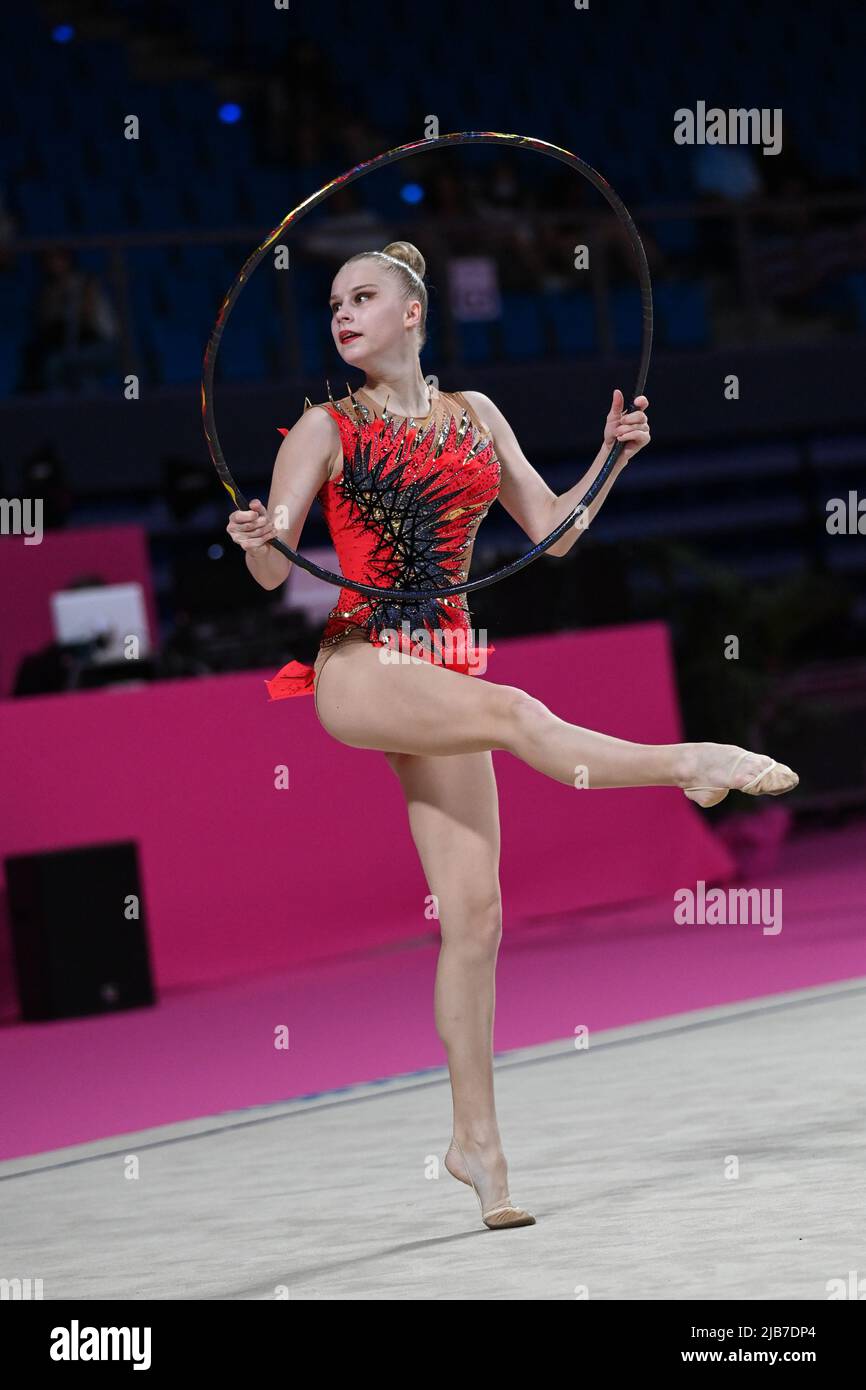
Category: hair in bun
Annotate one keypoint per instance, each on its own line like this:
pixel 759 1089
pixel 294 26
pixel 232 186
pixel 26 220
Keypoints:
pixel 405 261
pixel 409 254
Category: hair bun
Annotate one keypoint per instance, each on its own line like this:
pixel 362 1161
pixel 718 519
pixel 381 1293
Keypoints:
pixel 405 251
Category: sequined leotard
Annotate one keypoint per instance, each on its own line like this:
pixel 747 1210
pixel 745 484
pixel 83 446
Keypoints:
pixel 403 514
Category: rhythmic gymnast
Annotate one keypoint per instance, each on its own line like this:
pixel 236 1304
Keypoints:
pixel 405 474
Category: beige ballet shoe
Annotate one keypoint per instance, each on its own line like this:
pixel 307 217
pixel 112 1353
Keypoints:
pixel 496 1218
pixel 785 777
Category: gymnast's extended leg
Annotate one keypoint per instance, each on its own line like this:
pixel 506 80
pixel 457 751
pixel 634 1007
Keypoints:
pixel 416 707
pixel 454 818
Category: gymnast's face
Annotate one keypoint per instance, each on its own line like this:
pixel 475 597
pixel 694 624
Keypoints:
pixel 366 303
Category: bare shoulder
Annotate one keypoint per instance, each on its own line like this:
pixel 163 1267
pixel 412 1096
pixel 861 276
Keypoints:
pixel 316 427
pixel 318 419
pixel 316 434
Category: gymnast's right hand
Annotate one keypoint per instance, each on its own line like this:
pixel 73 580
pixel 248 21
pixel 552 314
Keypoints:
pixel 253 529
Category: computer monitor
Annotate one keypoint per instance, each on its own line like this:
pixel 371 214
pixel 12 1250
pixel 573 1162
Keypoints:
pixel 110 612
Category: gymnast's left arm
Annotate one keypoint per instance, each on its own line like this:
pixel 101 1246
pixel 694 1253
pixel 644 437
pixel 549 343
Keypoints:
pixel 526 496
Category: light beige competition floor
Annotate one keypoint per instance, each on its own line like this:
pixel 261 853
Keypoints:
pixel 622 1151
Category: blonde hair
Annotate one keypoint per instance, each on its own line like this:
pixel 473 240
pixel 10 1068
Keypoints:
pixel 405 261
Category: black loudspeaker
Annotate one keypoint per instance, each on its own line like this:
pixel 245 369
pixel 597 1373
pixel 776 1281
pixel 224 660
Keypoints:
pixel 78 931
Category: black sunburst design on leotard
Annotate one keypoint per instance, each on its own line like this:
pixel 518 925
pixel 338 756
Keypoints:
pixel 419 515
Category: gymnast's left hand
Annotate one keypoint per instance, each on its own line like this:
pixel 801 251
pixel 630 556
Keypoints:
pixel 631 429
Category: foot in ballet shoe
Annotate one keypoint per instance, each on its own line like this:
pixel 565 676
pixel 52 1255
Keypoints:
pixel 499 1214
pixel 771 780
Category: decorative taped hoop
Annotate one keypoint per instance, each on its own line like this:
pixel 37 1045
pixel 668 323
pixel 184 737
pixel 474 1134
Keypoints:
pixel 472 137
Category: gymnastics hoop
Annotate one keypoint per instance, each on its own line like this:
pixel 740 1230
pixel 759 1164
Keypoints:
pixel 389 157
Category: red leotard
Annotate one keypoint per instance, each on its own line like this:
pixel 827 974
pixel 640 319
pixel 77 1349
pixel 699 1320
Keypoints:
pixel 403 514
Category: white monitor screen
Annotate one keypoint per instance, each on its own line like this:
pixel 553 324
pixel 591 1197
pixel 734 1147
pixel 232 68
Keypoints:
pixel 114 611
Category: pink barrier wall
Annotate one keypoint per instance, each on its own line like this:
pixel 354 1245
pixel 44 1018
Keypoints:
pixel 239 876
pixel 30 574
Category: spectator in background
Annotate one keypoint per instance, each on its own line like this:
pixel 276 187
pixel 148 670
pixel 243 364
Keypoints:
pixel 74 336
pixel 298 99
pixel 799 250
pixel 349 228
pixel 358 139
pixel 446 195
pixel 726 171
pixel 502 197
pixel 724 177
pixel 576 202
pixel 510 230
pixel 452 228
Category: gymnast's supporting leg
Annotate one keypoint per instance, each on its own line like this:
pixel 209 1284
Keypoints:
pixel 454 818
pixel 367 702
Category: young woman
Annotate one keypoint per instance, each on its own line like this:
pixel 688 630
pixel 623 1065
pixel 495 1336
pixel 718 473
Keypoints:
pixel 405 473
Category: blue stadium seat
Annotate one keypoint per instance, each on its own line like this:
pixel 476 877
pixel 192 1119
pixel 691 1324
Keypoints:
pixel 241 354
pixel 311 283
pixel 312 342
pixel 626 316
pixel 271 193
pixel 675 235
pixel 97 63
pixel 832 297
pixel 156 204
pixel 474 341
pixel 839 160
pixel 147 262
pixel 67 157
pixel 95 259
pixel 216 200
pixel 44 210
pixel 432 351
pixel 573 318
pixel 522 327
pixel 179 349
pixel 100 208
pixel 173 154
pixel 216 35
pixel 230 146
pixel 681 307
pixel 74 139
pixel 190 298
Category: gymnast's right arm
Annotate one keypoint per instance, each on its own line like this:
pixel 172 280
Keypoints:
pixel 300 468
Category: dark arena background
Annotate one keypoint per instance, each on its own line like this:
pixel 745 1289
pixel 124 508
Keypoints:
pixel 222 1080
